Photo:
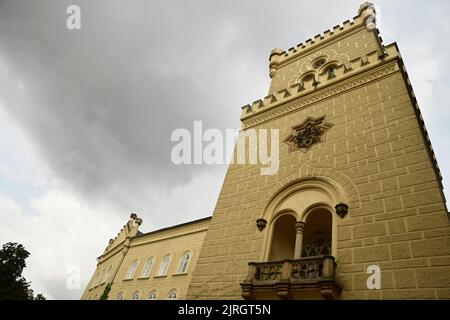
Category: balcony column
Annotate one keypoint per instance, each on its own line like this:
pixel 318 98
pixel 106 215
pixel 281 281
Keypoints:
pixel 299 228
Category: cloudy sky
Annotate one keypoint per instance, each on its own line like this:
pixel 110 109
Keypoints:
pixel 86 116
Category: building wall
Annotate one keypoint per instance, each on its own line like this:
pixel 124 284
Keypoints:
pixel 174 241
pixel 95 288
pixel 376 151
pixel 341 49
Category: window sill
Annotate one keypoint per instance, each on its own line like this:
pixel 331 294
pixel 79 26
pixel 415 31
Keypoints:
pixel 143 278
pixel 128 279
pixel 162 276
pixel 180 274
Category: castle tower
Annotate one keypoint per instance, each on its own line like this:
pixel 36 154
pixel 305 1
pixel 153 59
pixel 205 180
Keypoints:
pixel 356 209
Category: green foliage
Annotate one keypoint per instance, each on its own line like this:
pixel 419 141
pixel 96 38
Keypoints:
pixel 106 292
pixel 13 284
pixel 40 296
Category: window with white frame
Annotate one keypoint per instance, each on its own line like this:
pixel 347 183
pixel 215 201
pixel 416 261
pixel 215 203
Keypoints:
pixel 164 265
pixel 184 262
pixel 147 268
pixel 119 296
pixel 153 295
pixel 135 296
pixel 173 295
pixel 132 270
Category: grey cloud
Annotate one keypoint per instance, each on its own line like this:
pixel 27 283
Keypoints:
pixel 101 103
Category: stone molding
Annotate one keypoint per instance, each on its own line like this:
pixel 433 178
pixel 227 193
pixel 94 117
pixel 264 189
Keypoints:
pixel 304 173
pixel 347 76
pixel 172 233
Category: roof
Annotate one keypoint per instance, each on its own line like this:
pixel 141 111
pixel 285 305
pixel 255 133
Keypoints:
pixel 140 234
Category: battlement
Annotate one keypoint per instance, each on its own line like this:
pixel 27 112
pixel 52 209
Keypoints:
pixel 314 80
pixel 366 17
pixel 129 230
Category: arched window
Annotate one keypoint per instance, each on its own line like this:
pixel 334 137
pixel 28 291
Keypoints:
pixel 318 64
pixel 330 72
pixel 309 77
pixel 164 265
pixel 153 295
pixel 173 295
pixel 308 81
pixel 317 234
pixel 184 262
pixel 311 229
pixel 283 238
pixel 147 268
pixel 135 296
pixel 317 245
pixel 132 269
pixel 119 296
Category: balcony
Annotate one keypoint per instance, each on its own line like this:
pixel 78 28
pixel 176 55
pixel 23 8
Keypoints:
pixel 306 278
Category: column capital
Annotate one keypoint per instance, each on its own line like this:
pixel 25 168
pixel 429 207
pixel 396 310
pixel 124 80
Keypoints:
pixel 300 227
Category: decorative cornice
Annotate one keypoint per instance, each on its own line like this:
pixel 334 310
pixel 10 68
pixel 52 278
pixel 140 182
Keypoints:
pixel 130 229
pixel 172 232
pixel 341 73
pixel 301 101
pixel 157 235
pixel 118 248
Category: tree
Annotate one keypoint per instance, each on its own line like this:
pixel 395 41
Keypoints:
pixel 13 284
pixel 39 296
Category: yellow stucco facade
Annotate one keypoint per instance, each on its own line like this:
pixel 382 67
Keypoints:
pixel 148 279
pixel 358 186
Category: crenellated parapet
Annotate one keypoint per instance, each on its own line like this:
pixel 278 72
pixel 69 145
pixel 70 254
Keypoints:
pixel 327 75
pixel 128 231
pixel 366 18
